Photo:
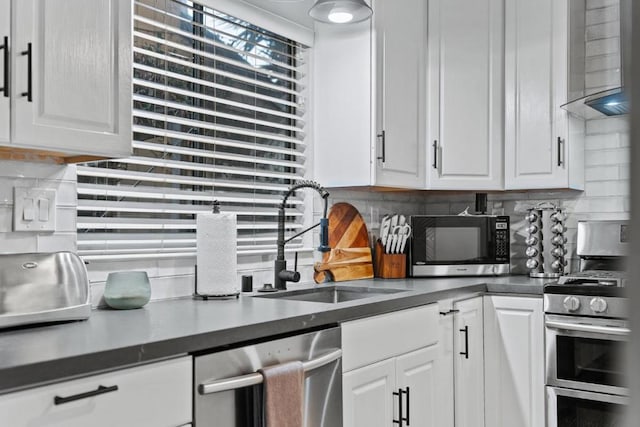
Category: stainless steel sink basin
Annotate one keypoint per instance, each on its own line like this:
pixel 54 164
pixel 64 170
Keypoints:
pixel 331 294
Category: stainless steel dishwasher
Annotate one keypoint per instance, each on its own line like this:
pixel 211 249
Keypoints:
pixel 228 390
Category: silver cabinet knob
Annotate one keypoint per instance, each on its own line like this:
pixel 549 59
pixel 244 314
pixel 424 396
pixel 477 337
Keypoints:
pixel 532 229
pixel 558 240
pixel 571 303
pixel 558 228
pixel 598 305
pixel 532 263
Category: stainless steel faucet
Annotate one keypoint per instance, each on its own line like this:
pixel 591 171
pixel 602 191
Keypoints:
pixel 281 274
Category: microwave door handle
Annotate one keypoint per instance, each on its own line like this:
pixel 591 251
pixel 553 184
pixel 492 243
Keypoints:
pixel 568 326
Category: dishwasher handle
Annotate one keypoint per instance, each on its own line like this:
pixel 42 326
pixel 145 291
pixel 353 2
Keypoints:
pixel 256 378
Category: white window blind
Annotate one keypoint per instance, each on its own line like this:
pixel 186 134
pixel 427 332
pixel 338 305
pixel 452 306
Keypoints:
pixel 218 115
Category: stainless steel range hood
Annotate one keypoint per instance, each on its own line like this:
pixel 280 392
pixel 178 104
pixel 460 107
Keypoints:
pixel 612 101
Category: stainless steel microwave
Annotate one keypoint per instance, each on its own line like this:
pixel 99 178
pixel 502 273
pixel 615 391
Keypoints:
pixel 459 245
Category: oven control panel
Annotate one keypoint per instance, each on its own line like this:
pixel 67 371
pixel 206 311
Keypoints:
pixel 586 305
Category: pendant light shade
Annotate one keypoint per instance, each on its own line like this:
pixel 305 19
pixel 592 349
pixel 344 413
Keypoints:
pixel 340 11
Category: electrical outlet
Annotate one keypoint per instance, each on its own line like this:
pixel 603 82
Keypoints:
pixel 34 209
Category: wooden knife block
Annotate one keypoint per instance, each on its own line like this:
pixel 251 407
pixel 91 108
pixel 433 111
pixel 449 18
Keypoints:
pixel 389 266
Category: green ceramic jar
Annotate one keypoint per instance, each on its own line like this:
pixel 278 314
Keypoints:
pixel 127 289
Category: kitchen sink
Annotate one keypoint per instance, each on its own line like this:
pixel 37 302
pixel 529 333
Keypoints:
pixel 331 294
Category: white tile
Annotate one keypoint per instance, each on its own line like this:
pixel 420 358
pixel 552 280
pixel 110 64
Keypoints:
pixel 66 191
pixel 603 46
pixel 18 242
pixel 7 185
pixel 6 219
pixel 601 173
pixel 600 141
pixel 66 218
pixel 599 204
pixel 595 4
pixel 57 242
pixel 608 125
pixel 603 31
pixel 607 188
pixel 603 78
pixel 602 62
pixel 601 15
pixel 616 156
pixel 624 171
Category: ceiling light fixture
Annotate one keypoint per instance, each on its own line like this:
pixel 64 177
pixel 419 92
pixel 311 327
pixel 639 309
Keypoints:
pixel 340 11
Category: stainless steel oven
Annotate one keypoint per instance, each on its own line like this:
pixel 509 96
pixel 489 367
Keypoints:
pixel 587 333
pixel 578 408
pixel 586 353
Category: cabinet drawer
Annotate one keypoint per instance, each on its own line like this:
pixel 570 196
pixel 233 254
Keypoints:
pixel 376 338
pixel 157 395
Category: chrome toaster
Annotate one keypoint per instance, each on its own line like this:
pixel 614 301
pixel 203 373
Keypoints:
pixel 42 288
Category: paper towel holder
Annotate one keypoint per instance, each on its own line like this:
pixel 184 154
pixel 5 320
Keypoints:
pixel 206 297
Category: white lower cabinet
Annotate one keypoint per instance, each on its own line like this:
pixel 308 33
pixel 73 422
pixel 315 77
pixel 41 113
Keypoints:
pixel 514 361
pixel 154 395
pixel 404 383
pixel 460 376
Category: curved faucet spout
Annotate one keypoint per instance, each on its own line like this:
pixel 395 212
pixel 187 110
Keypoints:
pixel 281 274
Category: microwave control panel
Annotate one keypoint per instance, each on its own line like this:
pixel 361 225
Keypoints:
pixel 502 239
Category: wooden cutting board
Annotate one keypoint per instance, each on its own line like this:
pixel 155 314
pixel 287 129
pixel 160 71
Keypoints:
pixel 350 255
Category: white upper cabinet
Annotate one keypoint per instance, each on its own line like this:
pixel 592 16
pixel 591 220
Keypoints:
pixel 543 144
pixel 5 34
pixel 369 81
pixel 71 76
pixel 466 98
pixel 401 52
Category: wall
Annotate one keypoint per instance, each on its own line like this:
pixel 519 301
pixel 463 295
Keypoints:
pixel 38 175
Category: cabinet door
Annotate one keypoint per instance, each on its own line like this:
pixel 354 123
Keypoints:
pixel 73 92
pixel 417 372
pixel 469 363
pixel 154 395
pixel 342 114
pixel 514 366
pixel 368 395
pixel 5 38
pixel 465 117
pixel 401 50
pixel 537 140
pixel 444 373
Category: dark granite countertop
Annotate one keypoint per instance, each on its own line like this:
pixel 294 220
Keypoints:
pixel 113 339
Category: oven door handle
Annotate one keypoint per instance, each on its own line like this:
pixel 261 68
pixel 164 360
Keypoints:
pixel 579 327
pixel 256 378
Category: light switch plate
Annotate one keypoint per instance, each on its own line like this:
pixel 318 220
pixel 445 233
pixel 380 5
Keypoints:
pixel 34 209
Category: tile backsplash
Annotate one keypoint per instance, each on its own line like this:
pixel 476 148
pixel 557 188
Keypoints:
pixel 61 178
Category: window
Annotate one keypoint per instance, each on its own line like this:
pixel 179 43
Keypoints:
pixel 218 113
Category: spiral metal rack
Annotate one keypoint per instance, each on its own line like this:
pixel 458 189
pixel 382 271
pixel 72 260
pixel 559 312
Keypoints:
pixel 546 241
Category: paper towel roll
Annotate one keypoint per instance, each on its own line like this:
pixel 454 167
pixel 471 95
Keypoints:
pixel 216 241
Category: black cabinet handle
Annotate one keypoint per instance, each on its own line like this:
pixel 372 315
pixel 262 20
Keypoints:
pixel 446 313
pixel 435 154
pixel 57 400
pixel 465 353
pixel 5 78
pixel 560 144
pixel 383 136
pixel 408 419
pixel 29 92
pixel 401 417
